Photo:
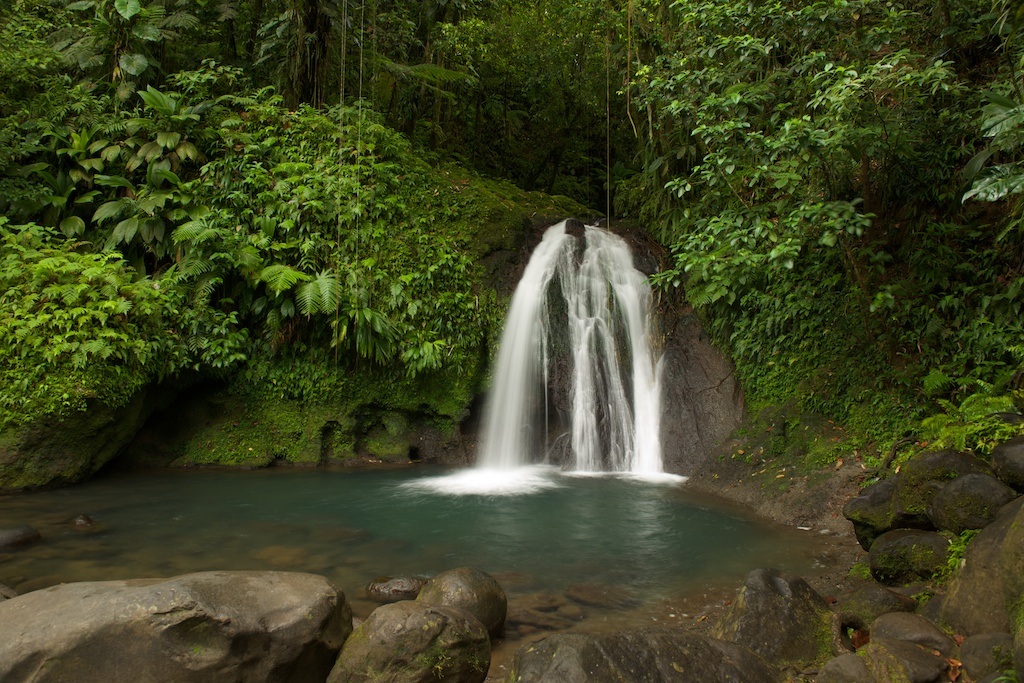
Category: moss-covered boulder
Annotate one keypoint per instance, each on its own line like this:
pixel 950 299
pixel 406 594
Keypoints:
pixel 905 555
pixel 864 604
pixel 922 476
pixel 413 642
pixel 781 618
pixel 472 590
pixel 56 451
pixel 913 628
pixel 651 655
pixel 986 654
pixel 975 601
pixel 897 661
pixel 876 510
pixel 968 502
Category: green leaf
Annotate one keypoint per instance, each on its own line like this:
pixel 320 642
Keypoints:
pixel 108 210
pixel 72 226
pixel 134 63
pixel 147 32
pixel 127 8
pixel 81 5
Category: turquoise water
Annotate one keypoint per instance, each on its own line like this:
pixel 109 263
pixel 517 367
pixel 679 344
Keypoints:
pixel 654 539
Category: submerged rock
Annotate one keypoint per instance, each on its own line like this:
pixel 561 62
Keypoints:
pixel 599 595
pixel 18 537
pixel 6 592
pixel 239 626
pixel 472 590
pixel 905 555
pixel 650 655
pixel 781 618
pixel 518 616
pixel 414 642
pixel 394 589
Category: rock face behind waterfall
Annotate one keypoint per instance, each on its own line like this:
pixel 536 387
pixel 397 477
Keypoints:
pixel 702 403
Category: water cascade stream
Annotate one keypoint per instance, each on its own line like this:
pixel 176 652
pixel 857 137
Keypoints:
pixel 588 301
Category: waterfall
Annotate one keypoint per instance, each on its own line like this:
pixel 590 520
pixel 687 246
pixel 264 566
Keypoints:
pixel 599 314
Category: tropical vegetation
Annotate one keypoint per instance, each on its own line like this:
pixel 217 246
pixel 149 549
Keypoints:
pixel 295 196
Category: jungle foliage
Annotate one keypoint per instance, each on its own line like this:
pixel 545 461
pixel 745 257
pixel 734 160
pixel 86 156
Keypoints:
pixel 209 183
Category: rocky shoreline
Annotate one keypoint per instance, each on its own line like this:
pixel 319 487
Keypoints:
pixel 888 605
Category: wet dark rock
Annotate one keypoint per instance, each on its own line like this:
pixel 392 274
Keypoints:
pixel 846 668
pixel 905 555
pixel 83 522
pixel 897 660
pixel 987 653
pixel 6 592
pixel 259 626
pixel 781 618
pixel 472 590
pixel 542 621
pixel 1008 462
pixel 912 628
pixel 395 588
pixel 415 642
pixel 18 537
pixel 876 511
pixel 574 612
pixel 864 604
pixel 975 601
pixel 968 502
pixel 922 476
pixel 648 655
pixel 599 595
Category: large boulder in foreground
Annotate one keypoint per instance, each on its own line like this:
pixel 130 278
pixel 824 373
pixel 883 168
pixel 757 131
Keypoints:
pixel 413 642
pixel 472 590
pixel 219 627
pixel 781 618
pixel 976 601
pixel 651 655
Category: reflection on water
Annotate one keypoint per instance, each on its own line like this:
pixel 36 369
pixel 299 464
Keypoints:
pixel 352 526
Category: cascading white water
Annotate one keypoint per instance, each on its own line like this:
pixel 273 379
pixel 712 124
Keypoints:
pixel 616 408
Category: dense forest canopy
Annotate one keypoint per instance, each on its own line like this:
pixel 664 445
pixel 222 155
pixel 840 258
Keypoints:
pixel 298 190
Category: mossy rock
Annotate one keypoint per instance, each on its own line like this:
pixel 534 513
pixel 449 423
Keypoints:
pixel 56 452
pixel 922 476
pixel 781 618
pixel 905 555
pixel 968 502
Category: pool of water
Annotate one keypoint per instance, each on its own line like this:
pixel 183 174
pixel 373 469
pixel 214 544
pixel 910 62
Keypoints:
pixel 654 540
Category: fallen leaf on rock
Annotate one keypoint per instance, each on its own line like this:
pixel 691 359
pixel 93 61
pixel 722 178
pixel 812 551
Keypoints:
pixel 958 639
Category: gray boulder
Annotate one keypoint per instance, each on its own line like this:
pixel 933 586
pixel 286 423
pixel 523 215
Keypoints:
pixel 211 626
pixel 1008 462
pixel 912 628
pixel 414 642
pixel 472 590
pixel 987 653
pixel 968 502
pixel 650 655
pixel 781 618
pixel 18 537
pixel 905 555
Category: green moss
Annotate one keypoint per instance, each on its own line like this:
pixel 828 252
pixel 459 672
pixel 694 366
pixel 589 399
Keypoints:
pixel 860 570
